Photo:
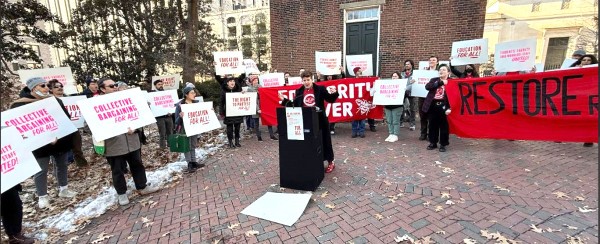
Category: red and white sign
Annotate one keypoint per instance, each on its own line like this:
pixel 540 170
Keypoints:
pixel 294 80
pixel 515 55
pixel 470 52
pixel 39 122
pixel 422 77
pixel 170 82
pixel 74 112
pixel 62 74
pixel 114 114
pixel 295 124
pixel 389 92
pixel 251 67
pixel 162 102
pixel 328 63
pixel 240 104
pixel 271 79
pixel 199 118
pixel 364 61
pixel 229 63
pixel 18 163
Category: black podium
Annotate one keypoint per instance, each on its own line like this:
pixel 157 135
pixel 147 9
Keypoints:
pixel 301 162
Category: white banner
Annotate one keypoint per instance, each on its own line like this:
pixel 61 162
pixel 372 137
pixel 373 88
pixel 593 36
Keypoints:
pixel 199 118
pixel 328 63
pixel 170 82
pixel 74 112
pixel 272 79
pixel 389 92
pixel 113 114
pixel 62 74
pixel 162 102
pixel 470 52
pixel 515 55
pixel 250 66
pixel 240 104
pixel 295 124
pixel 18 163
pixel 39 122
pixel 422 77
pixel 364 61
pixel 229 63
pixel 294 81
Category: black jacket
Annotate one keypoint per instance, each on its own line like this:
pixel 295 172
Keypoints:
pixel 461 74
pixel 432 87
pixel 223 107
pixel 239 81
pixel 321 95
pixel 88 93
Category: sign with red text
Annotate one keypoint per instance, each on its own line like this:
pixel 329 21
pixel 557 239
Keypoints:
pixel 170 82
pixel 294 81
pixel 470 52
pixel 328 63
pixel 295 124
pixel 515 55
pixel 199 118
pixel 251 67
pixel 39 122
pixel 162 102
pixel 62 74
pixel 271 79
pixel 114 114
pixel 18 163
pixel 240 104
pixel 389 92
pixel 229 63
pixel 422 77
pixel 74 112
pixel 364 61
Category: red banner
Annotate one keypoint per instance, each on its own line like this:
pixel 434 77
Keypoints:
pixel 557 105
pixel 354 103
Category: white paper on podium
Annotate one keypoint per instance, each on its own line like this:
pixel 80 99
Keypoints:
pixel 282 208
pixel 295 124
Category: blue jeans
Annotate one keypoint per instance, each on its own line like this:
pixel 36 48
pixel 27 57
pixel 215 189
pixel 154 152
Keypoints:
pixel 358 127
pixel 249 122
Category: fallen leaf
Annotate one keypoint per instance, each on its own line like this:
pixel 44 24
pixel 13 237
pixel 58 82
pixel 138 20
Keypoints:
pixel 129 237
pixel 231 227
pixel 585 209
pixel 422 175
pixel 146 225
pixel 335 179
pixel 574 240
pixel 387 182
pixel 427 203
pixel 469 241
pixel 499 188
pixel 330 206
pixel 72 239
pixel 324 194
pixel 102 237
pixel 469 183
pixel 447 170
pixel 486 234
pixel 536 229
pixel 346 160
pixel 145 220
pixel 438 162
pixel 251 233
pixel 166 234
pixel 405 237
pixel 206 188
pixel 570 227
pixel 425 240
pixel 527 170
pixel 216 241
pixel 449 202
pixel 378 216
pixel 560 194
pixel 202 203
pixel 440 232
pixel 439 208
pixel 445 195
pixel 579 198
pixel 552 230
pixel 244 172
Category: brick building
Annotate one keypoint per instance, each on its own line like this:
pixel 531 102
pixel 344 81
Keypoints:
pixel 391 30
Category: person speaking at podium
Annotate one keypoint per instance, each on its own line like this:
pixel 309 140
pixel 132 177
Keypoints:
pixel 313 95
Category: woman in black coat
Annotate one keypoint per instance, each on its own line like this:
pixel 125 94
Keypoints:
pixel 437 107
pixel 232 122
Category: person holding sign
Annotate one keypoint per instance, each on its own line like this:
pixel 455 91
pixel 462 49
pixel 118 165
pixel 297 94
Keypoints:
pixel 586 59
pixel 433 65
pixel 232 122
pixel 313 95
pixel 12 215
pixel 254 88
pixel 412 101
pixel 437 107
pixel 470 71
pixel 164 122
pixel 189 97
pixel 392 116
pixel 37 89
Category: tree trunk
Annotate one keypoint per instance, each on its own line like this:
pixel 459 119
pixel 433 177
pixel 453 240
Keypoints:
pixel 189 71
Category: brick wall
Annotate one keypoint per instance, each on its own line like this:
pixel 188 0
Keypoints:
pixel 410 29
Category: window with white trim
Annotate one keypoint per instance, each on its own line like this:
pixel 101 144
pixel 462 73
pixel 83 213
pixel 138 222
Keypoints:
pixel 363 14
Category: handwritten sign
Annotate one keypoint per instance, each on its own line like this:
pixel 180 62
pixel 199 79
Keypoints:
pixel 515 55
pixel 251 67
pixel 170 82
pixel 295 124
pixel 74 112
pixel 271 79
pixel 422 77
pixel 199 118
pixel 567 63
pixel 229 62
pixel 240 104
pixel 162 102
pixel 470 52
pixel 389 92
pixel 364 61
pixel 112 114
pixel 294 80
pixel 328 63
pixel 18 163
pixel 62 74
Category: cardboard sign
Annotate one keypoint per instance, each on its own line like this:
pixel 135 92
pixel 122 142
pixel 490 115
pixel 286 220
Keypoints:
pixel 294 80
pixel 328 63
pixel 199 118
pixel 515 55
pixel 251 67
pixel 567 63
pixel 162 102
pixel 271 79
pixel 74 112
pixel 470 52
pixel 39 122
pixel 240 104
pixel 229 62
pixel 422 77
pixel 389 92
pixel 112 114
pixel 62 74
pixel 18 163
pixel 364 61
pixel 170 82
pixel 295 124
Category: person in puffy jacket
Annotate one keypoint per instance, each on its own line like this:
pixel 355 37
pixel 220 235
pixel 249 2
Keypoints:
pixel 233 122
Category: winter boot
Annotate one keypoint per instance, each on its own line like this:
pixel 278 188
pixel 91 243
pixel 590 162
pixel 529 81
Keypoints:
pixel 231 144
pixel 237 142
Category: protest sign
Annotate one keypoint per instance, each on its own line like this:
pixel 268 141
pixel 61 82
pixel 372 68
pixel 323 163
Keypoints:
pixel 62 74
pixel 271 79
pixel 515 55
pixel 567 63
pixel 162 102
pixel 170 82
pixel 240 104
pixel 18 163
pixel 389 92
pixel 422 77
pixel 294 81
pixel 74 112
pixel 199 118
pixel 229 62
pixel 423 65
pixel 470 52
pixel 328 63
pixel 295 124
pixel 251 67
pixel 364 61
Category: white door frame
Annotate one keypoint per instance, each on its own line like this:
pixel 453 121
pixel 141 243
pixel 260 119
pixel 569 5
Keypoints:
pixel 378 19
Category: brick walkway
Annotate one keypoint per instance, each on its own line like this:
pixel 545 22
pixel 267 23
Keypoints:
pixel 379 190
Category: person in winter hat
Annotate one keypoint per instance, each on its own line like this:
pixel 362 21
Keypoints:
pixel 189 97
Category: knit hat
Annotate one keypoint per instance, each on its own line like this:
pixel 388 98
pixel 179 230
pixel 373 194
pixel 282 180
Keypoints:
pixel 33 82
pixel 189 84
pixel 579 52
pixel 121 83
pixel 355 69
pixel 187 90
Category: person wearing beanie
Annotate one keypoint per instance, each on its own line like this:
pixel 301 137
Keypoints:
pixel 189 97
pixel 233 122
pixel 121 86
pixel 578 54
pixel 92 88
pixel 164 122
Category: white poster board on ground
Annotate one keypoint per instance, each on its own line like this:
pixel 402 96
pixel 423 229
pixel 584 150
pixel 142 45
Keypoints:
pixel 328 63
pixel 364 61
pixel 18 163
pixel 39 122
pixel 470 52
pixel 162 102
pixel 251 67
pixel 240 104
pixel 389 91
pixel 515 55
pixel 567 63
pixel 271 79
pixel 422 77
pixel 62 74
pixel 282 208
pixel 170 82
pixel 294 81
pixel 295 124
pixel 112 114
pixel 74 112
pixel 199 118
pixel 229 62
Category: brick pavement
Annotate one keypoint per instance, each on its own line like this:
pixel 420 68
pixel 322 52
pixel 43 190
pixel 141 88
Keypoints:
pixel 380 190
